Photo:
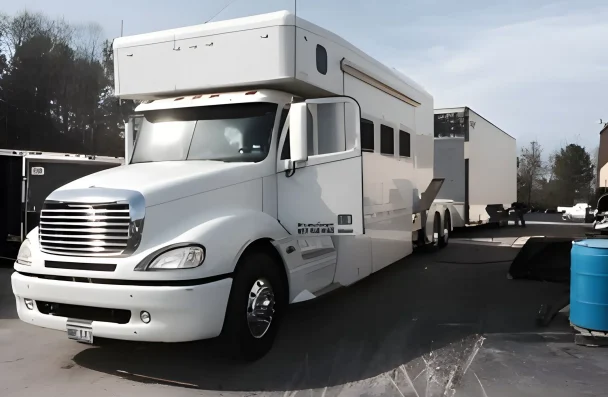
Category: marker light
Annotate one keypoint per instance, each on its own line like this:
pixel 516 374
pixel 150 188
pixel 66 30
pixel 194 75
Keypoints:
pixel 145 317
pixel 29 303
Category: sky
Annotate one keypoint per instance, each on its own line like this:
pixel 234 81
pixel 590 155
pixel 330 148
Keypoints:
pixel 538 69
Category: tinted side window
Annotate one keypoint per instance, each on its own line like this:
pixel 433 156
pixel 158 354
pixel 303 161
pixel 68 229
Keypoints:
pixel 285 155
pixel 285 152
pixel 284 114
pixel 367 135
pixel 387 140
pixel 321 59
pixel 310 134
pixel 404 144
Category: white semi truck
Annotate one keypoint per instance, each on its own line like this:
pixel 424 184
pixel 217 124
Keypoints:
pixel 479 164
pixel 274 163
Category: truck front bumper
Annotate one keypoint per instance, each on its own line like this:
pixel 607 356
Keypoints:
pixel 178 313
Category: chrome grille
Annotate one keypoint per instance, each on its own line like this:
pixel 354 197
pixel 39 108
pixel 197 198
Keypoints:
pixel 83 229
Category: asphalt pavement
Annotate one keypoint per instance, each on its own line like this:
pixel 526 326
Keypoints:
pixel 542 217
pixel 447 323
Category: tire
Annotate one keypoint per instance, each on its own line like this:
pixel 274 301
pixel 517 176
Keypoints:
pixel 436 236
pixel 421 240
pixel 258 279
pixel 447 227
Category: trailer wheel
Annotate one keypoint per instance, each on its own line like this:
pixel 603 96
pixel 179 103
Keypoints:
pixel 436 241
pixel 257 301
pixel 447 227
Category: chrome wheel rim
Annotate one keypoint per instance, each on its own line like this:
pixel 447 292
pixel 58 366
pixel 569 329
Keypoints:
pixel 260 308
pixel 446 231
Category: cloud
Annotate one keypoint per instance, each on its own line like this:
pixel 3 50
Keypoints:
pixel 538 64
pixel 556 49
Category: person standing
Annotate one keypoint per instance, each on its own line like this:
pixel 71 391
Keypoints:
pixel 520 210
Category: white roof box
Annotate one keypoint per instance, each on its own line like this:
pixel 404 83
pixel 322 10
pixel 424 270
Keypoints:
pixel 274 51
pixel 227 54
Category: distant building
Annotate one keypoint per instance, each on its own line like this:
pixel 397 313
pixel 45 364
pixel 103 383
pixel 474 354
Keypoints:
pixel 602 159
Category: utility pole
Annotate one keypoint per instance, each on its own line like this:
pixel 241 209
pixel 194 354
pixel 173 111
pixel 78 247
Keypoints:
pixel 532 173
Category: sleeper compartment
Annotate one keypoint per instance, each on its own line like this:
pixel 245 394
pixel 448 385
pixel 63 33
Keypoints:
pixel 172 63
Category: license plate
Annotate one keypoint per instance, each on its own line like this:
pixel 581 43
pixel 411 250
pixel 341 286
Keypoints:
pixel 80 332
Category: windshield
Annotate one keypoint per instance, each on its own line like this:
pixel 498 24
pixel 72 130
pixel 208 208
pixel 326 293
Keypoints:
pixel 232 133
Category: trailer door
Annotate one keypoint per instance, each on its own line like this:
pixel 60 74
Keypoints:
pixel 323 193
pixel 10 198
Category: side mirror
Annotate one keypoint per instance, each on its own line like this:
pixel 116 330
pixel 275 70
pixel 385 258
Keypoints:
pixel 298 132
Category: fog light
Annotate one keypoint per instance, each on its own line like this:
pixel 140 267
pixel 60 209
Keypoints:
pixel 145 317
pixel 29 303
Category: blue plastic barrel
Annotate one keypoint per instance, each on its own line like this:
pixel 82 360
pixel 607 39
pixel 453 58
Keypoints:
pixel 589 284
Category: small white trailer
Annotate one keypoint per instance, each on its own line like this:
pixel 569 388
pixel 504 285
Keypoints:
pixel 274 163
pixel 478 161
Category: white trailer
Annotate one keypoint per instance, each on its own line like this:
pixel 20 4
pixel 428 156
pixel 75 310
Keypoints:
pixel 479 164
pixel 274 162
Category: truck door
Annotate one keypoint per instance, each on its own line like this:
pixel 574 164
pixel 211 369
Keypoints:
pixel 319 165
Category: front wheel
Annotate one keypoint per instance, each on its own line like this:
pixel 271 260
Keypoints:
pixel 257 301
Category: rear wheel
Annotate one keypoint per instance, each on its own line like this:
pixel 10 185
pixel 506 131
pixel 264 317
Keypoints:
pixel 447 227
pixel 257 301
pixel 436 236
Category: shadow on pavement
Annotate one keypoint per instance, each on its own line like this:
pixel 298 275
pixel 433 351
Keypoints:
pixel 416 316
pixel 486 231
pixel 7 299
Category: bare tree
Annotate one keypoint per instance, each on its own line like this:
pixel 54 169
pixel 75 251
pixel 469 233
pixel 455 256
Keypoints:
pixel 60 31
pixel 594 160
pixel 530 172
pixel 15 31
pixel 88 41
pixel 56 87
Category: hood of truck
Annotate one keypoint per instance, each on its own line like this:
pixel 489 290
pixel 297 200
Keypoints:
pixel 165 181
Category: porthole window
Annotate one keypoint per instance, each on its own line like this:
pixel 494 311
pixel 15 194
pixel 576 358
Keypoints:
pixel 321 59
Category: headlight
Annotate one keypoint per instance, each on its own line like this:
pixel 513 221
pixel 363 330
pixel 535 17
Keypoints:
pixel 178 258
pixel 24 257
